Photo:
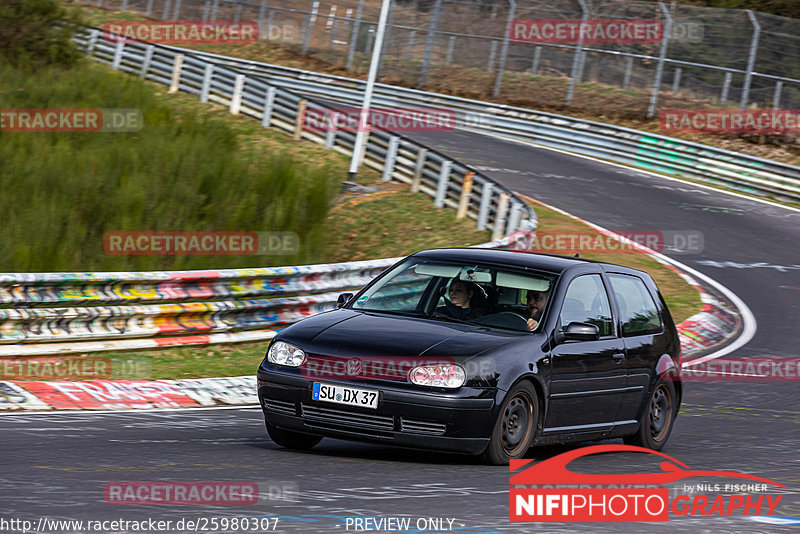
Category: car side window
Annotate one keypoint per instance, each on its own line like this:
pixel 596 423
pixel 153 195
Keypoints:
pixel 587 302
pixel 637 310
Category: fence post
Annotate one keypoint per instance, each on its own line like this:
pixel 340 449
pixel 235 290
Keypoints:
pixel 776 98
pixel 165 13
pixel 92 42
pixel 148 58
pixel 410 48
pixel 206 10
pixel 118 54
pixel 354 35
pixel 310 26
pixel 418 168
pixel 269 103
pixel 236 97
pixel 451 42
pixel 149 9
pixel 370 38
pixel 726 85
pixel 441 188
pixel 208 74
pixel 513 219
pixel 262 10
pixel 483 210
pixel 466 191
pixel 537 56
pixel 662 55
pixel 214 9
pixel 238 13
pixel 124 5
pixel 500 216
pixel 676 81
pixel 177 11
pixel 330 138
pixel 751 61
pixel 387 34
pixel 298 125
pixel 177 64
pixel 573 78
pixel 492 53
pixel 626 80
pixel 391 158
pixel 270 20
pixel 426 58
pixel 504 51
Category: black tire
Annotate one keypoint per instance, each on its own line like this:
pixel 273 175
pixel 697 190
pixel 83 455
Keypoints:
pixel 657 420
pixel 292 440
pixel 515 427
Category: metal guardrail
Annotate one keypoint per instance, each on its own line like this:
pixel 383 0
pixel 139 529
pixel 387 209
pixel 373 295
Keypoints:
pixel 671 156
pixel 126 307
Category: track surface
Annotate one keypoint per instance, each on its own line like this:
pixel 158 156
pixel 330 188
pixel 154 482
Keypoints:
pixel 57 465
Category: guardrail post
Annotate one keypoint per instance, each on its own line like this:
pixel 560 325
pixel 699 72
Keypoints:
pixel 504 51
pixel 330 137
pixel 751 60
pixel 537 56
pixel 576 60
pixel 441 188
pixel 208 75
pixel 466 191
pixel 148 58
pixel 500 216
pixel 426 58
pixel 483 210
pixel 298 125
pixel 269 103
pixel 662 55
pixel 726 85
pixel 410 48
pixel 354 35
pixel 676 80
pixel 118 54
pixel 418 168
pixel 492 53
pixel 513 219
pixel 93 35
pixel 236 97
pixel 626 80
pixel 776 98
pixel 177 64
pixel 391 158
pixel 451 43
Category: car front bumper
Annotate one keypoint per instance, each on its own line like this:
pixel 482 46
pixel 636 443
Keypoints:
pixel 459 421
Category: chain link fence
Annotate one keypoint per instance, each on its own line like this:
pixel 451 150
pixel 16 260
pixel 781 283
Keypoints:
pixel 704 57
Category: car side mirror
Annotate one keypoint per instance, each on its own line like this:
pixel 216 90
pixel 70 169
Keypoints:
pixel 576 331
pixel 343 299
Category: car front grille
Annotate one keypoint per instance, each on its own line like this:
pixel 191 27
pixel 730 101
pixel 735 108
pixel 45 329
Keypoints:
pixel 280 406
pixel 420 426
pixel 337 417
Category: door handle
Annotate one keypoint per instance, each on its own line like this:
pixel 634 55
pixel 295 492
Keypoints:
pixel 619 356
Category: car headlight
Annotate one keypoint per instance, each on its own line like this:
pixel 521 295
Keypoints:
pixel 447 375
pixel 282 353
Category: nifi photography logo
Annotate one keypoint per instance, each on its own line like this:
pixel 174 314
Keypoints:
pixel 548 491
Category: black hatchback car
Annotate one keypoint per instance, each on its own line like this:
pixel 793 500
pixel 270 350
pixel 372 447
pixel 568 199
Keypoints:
pixel 480 351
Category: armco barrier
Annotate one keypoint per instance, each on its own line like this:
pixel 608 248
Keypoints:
pixel 398 158
pixel 649 151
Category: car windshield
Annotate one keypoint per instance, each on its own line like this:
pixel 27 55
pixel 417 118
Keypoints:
pixel 462 292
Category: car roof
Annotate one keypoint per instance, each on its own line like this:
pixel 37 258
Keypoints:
pixel 544 262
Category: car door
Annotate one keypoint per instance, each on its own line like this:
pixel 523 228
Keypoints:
pixel 587 377
pixel 641 328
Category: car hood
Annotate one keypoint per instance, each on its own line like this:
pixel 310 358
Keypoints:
pixel 348 334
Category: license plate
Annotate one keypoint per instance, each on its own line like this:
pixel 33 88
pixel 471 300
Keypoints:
pixel 364 398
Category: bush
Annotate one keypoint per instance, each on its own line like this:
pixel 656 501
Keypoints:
pixel 37 32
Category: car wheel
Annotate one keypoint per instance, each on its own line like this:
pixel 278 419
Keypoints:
pixel 292 440
pixel 515 427
pixel 655 424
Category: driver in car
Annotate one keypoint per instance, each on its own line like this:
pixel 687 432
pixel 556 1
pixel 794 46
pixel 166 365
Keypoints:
pixel 536 301
pixel 465 300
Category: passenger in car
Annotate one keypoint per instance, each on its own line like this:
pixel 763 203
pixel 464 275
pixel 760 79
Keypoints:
pixel 466 300
pixel 536 301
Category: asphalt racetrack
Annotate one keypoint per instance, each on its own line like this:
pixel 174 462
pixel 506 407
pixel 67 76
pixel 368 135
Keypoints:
pixel 56 466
